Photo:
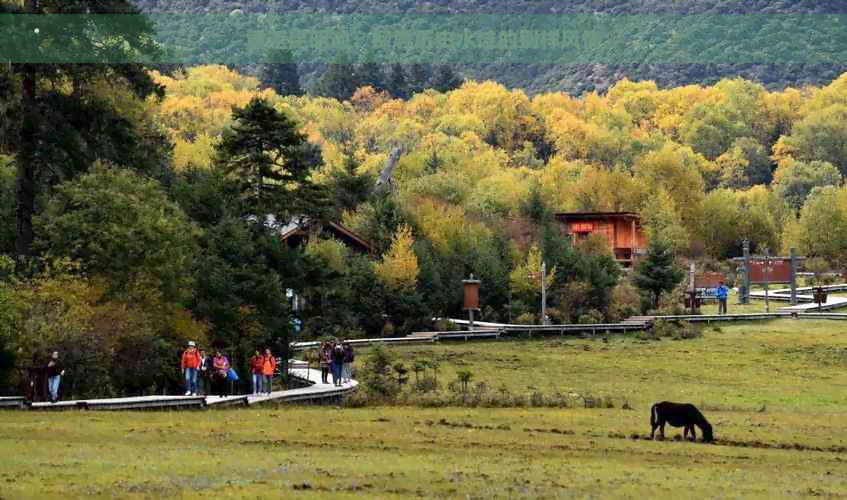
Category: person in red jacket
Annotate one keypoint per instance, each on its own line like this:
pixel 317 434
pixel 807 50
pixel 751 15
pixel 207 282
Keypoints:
pixel 189 365
pixel 220 367
pixel 256 369
pixel 268 368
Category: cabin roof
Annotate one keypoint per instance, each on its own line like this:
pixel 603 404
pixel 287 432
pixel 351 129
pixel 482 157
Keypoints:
pixel 300 224
pixel 577 216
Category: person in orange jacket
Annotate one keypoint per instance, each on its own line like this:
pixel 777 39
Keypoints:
pixel 268 368
pixel 256 367
pixel 189 365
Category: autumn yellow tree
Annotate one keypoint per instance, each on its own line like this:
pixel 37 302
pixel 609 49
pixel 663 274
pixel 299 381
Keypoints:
pixel 399 266
pixel 331 252
pixel 523 278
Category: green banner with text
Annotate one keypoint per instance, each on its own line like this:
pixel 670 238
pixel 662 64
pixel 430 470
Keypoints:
pixel 237 38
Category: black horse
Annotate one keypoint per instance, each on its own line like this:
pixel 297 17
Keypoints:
pixel 679 415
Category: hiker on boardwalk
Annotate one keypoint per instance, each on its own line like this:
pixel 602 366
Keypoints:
pixel 337 362
pixel 54 376
pixel 325 358
pixel 268 368
pixel 189 365
pixel 256 367
pixel 220 366
pixel 204 377
pixel 347 366
pixel 722 292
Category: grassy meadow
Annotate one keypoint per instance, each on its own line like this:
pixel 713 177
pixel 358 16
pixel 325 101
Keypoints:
pixel 788 364
pixel 775 393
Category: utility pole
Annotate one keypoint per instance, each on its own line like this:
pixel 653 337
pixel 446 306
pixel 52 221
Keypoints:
pixel 543 294
pixel 745 296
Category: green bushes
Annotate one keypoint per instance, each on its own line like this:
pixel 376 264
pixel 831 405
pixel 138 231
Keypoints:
pixel 382 381
pixel 108 346
pixel 676 330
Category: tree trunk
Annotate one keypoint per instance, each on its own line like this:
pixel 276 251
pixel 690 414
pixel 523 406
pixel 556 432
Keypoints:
pixel 25 189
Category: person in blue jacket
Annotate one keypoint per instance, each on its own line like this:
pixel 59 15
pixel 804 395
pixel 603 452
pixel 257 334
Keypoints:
pixel 722 292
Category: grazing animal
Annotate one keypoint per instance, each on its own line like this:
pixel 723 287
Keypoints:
pixel 679 415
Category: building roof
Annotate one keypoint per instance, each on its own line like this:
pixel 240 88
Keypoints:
pixel 300 224
pixel 597 215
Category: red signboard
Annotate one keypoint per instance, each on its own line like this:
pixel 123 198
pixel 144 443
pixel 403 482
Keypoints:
pixel 709 280
pixel 471 294
pixel 582 227
pixel 779 271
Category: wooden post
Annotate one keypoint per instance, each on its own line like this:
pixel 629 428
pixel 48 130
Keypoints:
pixel 632 244
pixel 793 276
pixel 767 271
pixel 692 270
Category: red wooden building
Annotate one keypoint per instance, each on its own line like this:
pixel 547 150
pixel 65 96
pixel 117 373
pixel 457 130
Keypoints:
pixel 622 231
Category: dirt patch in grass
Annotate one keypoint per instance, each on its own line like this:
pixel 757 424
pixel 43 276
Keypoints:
pixel 738 443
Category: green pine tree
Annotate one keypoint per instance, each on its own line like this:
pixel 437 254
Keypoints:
pixel 658 273
pixel 371 73
pixel 349 187
pixel 397 85
pixel 270 160
pixel 57 130
pixel 446 79
pixel 340 80
pixel 419 76
pixel 281 74
pixel 534 207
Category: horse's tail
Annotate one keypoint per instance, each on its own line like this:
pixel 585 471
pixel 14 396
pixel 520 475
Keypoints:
pixel 653 417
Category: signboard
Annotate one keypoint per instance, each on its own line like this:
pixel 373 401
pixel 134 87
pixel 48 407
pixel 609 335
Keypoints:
pixel 707 293
pixel 709 280
pixel 582 227
pixel 471 294
pixel 779 271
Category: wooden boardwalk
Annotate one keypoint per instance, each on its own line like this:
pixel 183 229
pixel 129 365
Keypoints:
pixel 806 300
pixel 316 391
pixel 12 402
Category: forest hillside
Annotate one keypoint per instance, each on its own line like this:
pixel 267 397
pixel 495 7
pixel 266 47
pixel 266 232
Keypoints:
pixel 775 42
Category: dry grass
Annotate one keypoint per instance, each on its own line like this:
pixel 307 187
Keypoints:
pixel 406 453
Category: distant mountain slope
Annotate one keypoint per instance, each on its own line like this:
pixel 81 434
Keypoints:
pixel 721 40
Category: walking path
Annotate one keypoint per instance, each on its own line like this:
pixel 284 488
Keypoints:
pixel 315 391
pixel 784 294
pixel 320 391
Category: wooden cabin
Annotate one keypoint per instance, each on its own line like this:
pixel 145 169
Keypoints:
pixel 298 230
pixel 622 231
pixel 297 233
